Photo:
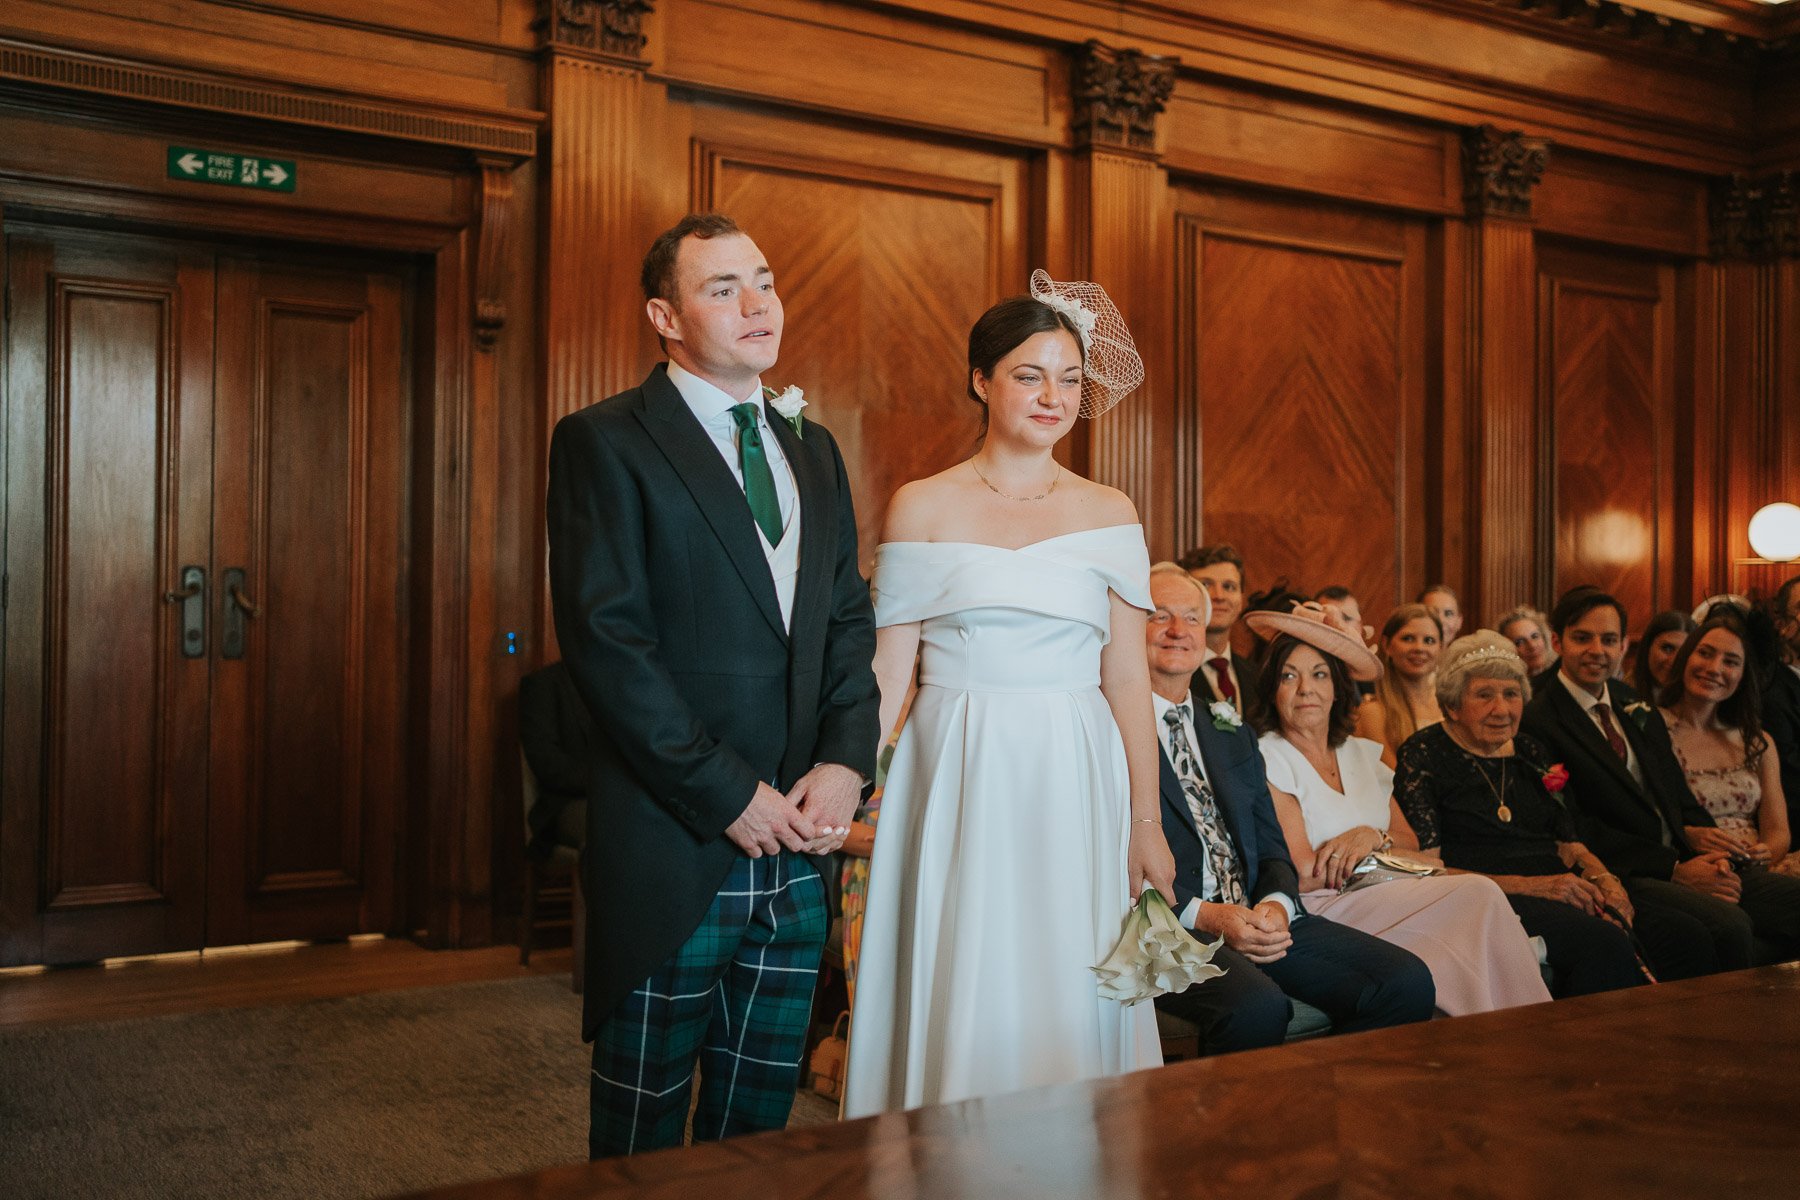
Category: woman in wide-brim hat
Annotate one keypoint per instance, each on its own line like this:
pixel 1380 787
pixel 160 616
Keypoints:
pixel 1334 797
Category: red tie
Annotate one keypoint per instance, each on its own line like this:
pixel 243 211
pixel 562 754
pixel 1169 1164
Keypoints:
pixel 1604 712
pixel 1222 668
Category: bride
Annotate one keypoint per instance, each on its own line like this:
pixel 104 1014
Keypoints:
pixel 1020 817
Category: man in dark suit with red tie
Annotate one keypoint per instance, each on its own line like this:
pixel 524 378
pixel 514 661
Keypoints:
pixel 1224 674
pixel 1697 911
pixel 703 570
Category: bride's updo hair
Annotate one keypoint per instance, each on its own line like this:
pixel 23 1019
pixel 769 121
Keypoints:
pixel 1003 329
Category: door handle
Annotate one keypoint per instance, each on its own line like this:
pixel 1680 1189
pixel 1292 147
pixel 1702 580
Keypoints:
pixel 237 607
pixel 191 595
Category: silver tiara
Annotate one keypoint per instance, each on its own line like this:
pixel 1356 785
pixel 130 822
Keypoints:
pixel 1481 652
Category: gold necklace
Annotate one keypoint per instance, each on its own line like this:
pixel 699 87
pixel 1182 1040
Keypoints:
pixel 1054 480
pixel 1501 810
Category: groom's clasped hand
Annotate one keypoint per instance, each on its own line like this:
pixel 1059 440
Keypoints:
pixel 812 818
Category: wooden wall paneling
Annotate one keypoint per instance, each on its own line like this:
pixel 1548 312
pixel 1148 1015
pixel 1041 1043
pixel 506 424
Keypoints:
pixel 1448 471
pixel 882 270
pixel 1307 387
pixel 859 60
pixel 241 45
pixel 1224 130
pixel 1607 413
pixel 1609 200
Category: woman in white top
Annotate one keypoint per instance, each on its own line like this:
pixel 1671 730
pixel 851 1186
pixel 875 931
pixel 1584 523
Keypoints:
pixel 1020 816
pixel 1334 798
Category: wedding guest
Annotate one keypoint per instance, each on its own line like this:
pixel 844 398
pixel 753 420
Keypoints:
pixel 1334 799
pixel 1781 695
pixel 1345 601
pixel 1479 793
pixel 1656 649
pixel 1696 912
pixel 1224 674
pixel 1233 876
pixel 1349 618
pixel 1405 699
pixel 1528 630
pixel 1445 606
pixel 1712 709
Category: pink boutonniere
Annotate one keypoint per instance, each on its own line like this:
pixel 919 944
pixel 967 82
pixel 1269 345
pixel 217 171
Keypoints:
pixel 1556 778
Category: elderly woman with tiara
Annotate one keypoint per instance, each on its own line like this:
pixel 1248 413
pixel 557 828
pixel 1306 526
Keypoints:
pixel 1020 817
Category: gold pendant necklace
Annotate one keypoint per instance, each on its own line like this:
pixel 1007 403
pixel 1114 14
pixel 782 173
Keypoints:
pixel 1501 810
pixel 1054 480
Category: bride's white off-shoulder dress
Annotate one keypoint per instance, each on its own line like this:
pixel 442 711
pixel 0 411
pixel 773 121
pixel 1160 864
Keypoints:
pixel 999 873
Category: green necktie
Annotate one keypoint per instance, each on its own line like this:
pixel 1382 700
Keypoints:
pixel 759 483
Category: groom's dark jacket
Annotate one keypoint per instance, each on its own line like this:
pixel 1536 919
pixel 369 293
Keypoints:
pixel 1234 770
pixel 667 617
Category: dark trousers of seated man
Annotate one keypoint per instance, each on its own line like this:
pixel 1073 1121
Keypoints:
pixel 1687 933
pixel 1358 980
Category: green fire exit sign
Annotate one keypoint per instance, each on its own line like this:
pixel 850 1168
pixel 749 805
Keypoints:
pixel 235 170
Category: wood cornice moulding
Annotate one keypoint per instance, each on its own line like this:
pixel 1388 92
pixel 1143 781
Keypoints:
pixel 1499 171
pixel 613 28
pixel 1752 43
pixel 1118 96
pixel 509 134
pixel 1756 216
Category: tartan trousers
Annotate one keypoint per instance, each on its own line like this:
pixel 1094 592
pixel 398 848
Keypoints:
pixel 737 997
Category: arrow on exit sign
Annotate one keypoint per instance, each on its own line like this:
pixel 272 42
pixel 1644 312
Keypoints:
pixel 233 170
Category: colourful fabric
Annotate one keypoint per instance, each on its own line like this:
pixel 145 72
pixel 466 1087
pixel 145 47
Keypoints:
pixel 855 879
pixel 738 996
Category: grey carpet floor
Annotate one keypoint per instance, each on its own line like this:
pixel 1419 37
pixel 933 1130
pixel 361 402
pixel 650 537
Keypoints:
pixel 352 1098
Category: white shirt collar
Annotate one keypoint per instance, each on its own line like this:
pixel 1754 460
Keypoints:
pixel 1583 697
pixel 1163 704
pixel 708 401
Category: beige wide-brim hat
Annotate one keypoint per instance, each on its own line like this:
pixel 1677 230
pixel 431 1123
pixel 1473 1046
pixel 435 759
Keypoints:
pixel 1310 624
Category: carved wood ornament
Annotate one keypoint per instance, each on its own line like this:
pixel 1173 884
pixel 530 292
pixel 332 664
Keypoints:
pixel 1499 171
pixel 1118 94
pixel 497 220
pixel 1756 216
pixel 609 26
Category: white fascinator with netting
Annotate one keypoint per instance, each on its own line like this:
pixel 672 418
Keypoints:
pixel 1109 358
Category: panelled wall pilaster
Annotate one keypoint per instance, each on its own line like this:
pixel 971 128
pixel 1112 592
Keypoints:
pixel 1755 361
pixel 1499 369
pixel 1121 209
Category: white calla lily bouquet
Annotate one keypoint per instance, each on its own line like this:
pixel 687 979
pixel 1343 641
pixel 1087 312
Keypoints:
pixel 1156 955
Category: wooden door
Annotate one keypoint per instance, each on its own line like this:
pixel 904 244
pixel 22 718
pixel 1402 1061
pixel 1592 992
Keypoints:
pixel 103 788
pixel 228 768
pixel 308 682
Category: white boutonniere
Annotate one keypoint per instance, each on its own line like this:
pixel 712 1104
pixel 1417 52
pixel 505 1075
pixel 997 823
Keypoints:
pixel 1154 955
pixel 1225 718
pixel 787 404
pixel 1638 711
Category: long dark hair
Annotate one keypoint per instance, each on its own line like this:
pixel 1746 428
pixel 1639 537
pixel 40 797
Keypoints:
pixel 1004 328
pixel 1344 698
pixel 1742 710
pixel 1663 622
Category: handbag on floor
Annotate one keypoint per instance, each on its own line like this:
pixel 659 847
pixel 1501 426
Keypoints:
pixel 827 1063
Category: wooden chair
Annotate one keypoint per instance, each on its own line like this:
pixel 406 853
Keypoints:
pixel 563 863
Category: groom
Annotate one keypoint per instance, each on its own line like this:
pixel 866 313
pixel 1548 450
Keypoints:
pixel 703 573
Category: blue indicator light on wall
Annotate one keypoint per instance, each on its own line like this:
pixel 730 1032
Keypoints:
pixel 512 642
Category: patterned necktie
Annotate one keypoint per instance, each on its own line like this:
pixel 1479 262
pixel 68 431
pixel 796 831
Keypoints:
pixel 1222 670
pixel 1604 712
pixel 759 482
pixel 1205 808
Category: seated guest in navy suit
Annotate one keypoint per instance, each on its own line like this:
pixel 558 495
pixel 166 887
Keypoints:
pixel 1233 876
pixel 1224 674
pixel 1697 912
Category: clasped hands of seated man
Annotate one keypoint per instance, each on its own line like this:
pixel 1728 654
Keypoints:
pixel 813 818
pixel 1260 934
pixel 1713 870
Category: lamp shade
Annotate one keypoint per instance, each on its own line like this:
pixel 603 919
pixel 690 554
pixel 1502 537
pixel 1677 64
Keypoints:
pixel 1775 532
